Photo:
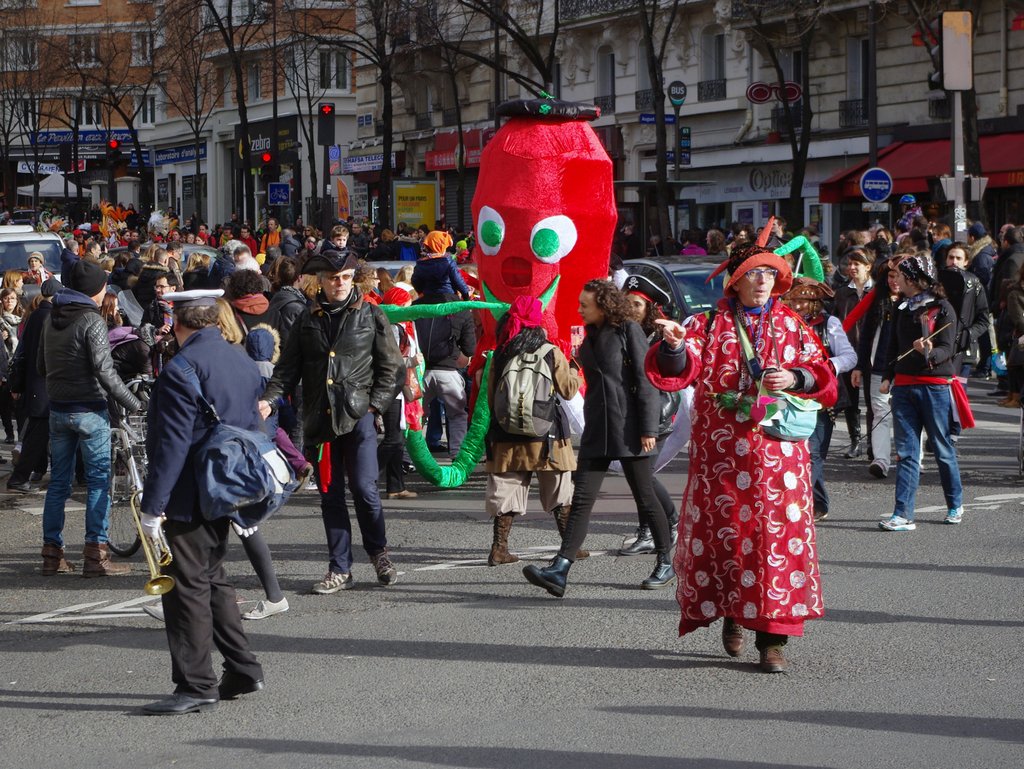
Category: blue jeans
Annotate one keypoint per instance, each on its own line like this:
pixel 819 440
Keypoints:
pixel 353 455
pixel 68 431
pixel 930 407
pixel 818 445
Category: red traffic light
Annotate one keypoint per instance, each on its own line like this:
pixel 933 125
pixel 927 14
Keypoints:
pixel 327 109
pixel 266 157
pixel 113 144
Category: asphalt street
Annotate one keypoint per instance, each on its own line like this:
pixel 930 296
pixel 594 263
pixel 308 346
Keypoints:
pixel 460 665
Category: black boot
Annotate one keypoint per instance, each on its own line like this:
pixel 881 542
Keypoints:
pixel 853 428
pixel 673 525
pixel 644 543
pixel 662 575
pixel 551 578
pixel 561 514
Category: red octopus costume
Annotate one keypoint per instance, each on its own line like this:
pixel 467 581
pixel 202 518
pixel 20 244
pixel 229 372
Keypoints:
pixel 746 534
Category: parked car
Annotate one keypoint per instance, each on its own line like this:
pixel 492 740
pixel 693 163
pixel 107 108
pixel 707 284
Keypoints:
pixel 24 216
pixel 684 279
pixel 17 241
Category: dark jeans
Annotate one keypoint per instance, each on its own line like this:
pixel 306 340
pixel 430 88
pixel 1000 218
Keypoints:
pixel 435 422
pixel 353 455
pixel 818 445
pixel 589 476
pixel 389 452
pixel 35 449
pixel 202 610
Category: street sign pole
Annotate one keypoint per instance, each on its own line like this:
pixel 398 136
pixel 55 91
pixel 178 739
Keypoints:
pixel 676 152
pixel 957 77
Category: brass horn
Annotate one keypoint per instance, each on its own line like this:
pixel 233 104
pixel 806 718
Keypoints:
pixel 157 551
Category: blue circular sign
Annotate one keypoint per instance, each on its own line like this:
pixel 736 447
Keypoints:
pixel 876 185
pixel 334 152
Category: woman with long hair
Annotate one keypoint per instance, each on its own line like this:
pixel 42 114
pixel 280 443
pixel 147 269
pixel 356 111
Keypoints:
pixel 621 413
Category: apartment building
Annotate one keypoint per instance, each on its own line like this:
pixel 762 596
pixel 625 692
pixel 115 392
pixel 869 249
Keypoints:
pixel 736 162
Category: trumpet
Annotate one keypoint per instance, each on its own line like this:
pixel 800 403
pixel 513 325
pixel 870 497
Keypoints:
pixel 157 551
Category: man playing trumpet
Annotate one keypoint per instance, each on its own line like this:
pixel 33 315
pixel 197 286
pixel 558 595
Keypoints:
pixel 201 611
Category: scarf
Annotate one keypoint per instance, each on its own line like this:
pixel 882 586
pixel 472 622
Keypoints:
pixel 525 311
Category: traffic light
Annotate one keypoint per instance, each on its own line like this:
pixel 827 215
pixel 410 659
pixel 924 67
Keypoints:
pixel 267 165
pixel 325 124
pixel 113 150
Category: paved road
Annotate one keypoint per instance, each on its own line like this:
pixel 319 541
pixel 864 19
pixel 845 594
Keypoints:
pixel 916 664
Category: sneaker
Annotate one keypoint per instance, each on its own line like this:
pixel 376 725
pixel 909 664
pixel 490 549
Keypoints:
pixel 955 514
pixel 266 609
pixel 820 515
pixel 878 470
pixel 332 583
pixel 387 574
pixel 897 523
pixel 22 488
pixel 311 485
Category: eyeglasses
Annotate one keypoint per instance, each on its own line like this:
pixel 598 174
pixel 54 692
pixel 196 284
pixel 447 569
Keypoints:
pixel 765 273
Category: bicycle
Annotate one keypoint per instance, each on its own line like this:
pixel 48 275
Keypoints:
pixel 128 463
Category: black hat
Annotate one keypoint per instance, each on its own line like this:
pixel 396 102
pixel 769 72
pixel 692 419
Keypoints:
pixel 50 287
pixel 330 261
pixel 87 277
pixel 638 284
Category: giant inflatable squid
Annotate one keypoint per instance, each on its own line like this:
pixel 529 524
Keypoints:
pixel 544 215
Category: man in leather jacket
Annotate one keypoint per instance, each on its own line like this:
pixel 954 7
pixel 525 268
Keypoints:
pixel 74 357
pixel 346 358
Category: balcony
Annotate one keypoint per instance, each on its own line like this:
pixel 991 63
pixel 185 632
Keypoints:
pixel 853 113
pixel 711 90
pixel 779 118
pixel 378 127
pixel 644 100
pixel 606 104
pixel 573 10
pixel 424 120
pixel 449 116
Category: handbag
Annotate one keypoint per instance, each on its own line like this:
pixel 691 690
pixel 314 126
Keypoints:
pixel 411 389
pixel 789 417
pixel 240 474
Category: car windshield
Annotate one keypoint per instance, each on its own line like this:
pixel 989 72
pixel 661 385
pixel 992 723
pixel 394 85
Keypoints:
pixel 698 295
pixel 14 253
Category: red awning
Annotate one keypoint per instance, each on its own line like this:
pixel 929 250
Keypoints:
pixel 913 164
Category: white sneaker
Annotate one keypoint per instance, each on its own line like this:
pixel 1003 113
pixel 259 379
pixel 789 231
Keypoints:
pixel 266 609
pixel 955 514
pixel 156 611
pixel 897 523
pixel 332 583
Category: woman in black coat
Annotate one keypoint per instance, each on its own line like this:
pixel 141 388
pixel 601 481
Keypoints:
pixel 621 411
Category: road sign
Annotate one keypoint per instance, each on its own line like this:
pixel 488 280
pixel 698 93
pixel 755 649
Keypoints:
pixel 649 118
pixel 877 208
pixel 875 185
pixel 677 92
pixel 278 193
pixel 684 137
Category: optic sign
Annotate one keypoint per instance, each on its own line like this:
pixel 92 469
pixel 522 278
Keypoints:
pixel 875 185
pixel 761 93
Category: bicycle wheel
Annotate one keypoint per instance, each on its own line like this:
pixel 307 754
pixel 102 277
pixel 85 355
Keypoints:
pixel 123 533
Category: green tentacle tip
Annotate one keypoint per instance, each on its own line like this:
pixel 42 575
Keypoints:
pixel 545 109
pixel 546 95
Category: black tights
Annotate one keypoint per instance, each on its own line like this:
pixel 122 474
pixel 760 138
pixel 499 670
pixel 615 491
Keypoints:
pixel 589 476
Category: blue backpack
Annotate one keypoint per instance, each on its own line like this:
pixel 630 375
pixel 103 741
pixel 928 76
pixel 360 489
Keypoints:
pixel 240 474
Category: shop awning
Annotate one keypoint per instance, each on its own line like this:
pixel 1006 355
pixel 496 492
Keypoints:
pixel 913 164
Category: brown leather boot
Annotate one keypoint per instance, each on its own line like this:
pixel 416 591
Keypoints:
pixel 53 561
pixel 561 514
pixel 97 562
pixel 772 660
pixel 732 637
pixel 499 550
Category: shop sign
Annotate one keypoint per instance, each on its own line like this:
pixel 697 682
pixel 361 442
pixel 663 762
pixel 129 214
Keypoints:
pixel 182 154
pixel 358 163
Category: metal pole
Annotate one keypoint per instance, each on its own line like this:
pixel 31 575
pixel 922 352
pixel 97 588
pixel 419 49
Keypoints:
pixel 274 144
pixel 872 86
pixel 677 151
pixel 959 199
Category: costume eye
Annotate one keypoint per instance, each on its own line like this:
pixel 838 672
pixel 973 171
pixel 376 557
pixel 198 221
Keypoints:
pixel 491 227
pixel 552 238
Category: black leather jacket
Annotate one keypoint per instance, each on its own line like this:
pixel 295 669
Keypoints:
pixel 74 355
pixel 342 373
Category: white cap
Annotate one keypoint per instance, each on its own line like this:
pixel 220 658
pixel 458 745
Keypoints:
pixel 197 297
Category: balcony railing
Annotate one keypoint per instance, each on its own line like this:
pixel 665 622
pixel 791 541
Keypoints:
pixel 571 10
pixel 644 100
pixel 938 109
pixel 779 118
pixel 606 104
pixel 424 120
pixel 711 90
pixel 853 113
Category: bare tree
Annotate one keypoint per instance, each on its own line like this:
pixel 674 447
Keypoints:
pixel 780 28
pixel 301 70
pixel 191 86
pixel 655 15
pixel 19 94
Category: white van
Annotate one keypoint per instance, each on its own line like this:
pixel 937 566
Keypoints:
pixel 17 241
